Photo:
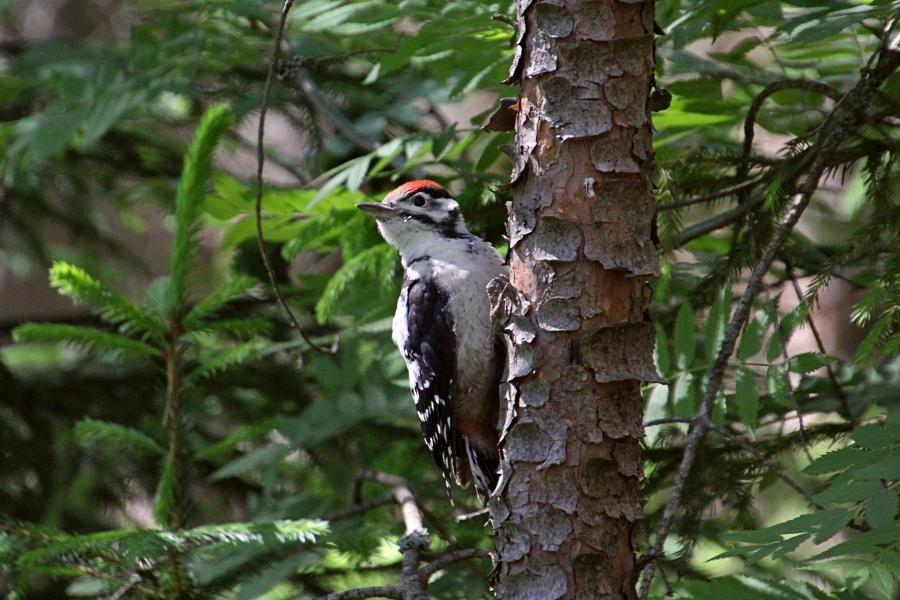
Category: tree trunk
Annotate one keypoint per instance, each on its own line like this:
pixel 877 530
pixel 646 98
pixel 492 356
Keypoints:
pixel 579 339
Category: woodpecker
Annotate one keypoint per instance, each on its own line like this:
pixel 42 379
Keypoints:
pixel 443 328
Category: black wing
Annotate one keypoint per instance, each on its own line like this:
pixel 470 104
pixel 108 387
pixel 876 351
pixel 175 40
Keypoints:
pixel 430 350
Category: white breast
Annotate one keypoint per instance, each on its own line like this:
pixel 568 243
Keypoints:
pixel 463 270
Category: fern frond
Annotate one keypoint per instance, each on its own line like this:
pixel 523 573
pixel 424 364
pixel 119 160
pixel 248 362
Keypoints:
pixel 216 300
pixel 85 337
pixel 113 437
pixel 76 283
pixel 191 190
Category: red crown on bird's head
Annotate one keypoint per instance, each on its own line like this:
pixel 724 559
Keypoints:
pixel 413 186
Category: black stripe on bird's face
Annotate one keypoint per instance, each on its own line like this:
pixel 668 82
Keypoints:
pixel 446 227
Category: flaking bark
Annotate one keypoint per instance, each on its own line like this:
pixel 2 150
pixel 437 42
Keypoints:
pixel 580 254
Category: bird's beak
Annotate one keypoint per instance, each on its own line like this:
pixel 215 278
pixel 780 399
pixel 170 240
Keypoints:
pixel 377 209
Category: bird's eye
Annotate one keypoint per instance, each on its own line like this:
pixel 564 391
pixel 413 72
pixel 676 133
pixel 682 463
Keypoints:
pixel 418 200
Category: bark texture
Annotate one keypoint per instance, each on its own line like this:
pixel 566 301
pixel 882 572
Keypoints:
pixel 580 254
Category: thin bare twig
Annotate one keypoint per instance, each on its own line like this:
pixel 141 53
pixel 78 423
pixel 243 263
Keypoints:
pixel 717 222
pixel 472 515
pixel 260 162
pixel 668 421
pixel 358 509
pixel 722 193
pixel 442 561
pixel 775 86
pixel 783 339
pixel 801 426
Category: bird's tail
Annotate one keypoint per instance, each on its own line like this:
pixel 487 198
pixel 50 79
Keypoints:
pixel 484 465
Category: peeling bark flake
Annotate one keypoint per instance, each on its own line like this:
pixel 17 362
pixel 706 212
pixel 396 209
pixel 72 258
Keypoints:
pixel 556 239
pixel 559 314
pixel 627 96
pixel 622 353
pixel 534 393
pixel 542 60
pixel 595 21
pixel 553 20
pixel 504 116
pixel 609 154
pixel 575 112
pixel 514 66
pixel 582 63
pixel 619 418
pixel 519 223
pixel 550 585
pixel 513 543
pixel 628 250
pixel 528 443
pixel 592 577
pixel 553 528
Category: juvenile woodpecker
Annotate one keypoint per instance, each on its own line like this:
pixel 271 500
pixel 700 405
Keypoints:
pixel 444 329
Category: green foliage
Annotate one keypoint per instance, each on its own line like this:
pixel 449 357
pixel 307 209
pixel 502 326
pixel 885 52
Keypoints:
pixel 202 334
pixel 188 202
pixel 864 476
pixel 81 287
pixel 111 437
pixel 85 337
pixel 217 299
pixel 227 358
pixel 109 553
pixel 375 265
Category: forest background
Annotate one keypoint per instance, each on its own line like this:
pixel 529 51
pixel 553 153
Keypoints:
pixel 169 435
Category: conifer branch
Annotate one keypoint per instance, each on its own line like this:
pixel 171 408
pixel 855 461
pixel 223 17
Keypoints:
pixel 838 388
pixel 722 193
pixel 414 578
pixel 800 185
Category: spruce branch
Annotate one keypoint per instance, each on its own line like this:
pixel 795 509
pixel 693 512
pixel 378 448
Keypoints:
pixel 799 185
pixel 722 193
pixel 87 337
pixel 76 283
pixel 188 202
pixel 221 296
pixel 719 221
pixel 747 447
pixel 838 388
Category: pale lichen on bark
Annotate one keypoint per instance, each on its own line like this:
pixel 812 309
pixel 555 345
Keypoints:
pixel 580 254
